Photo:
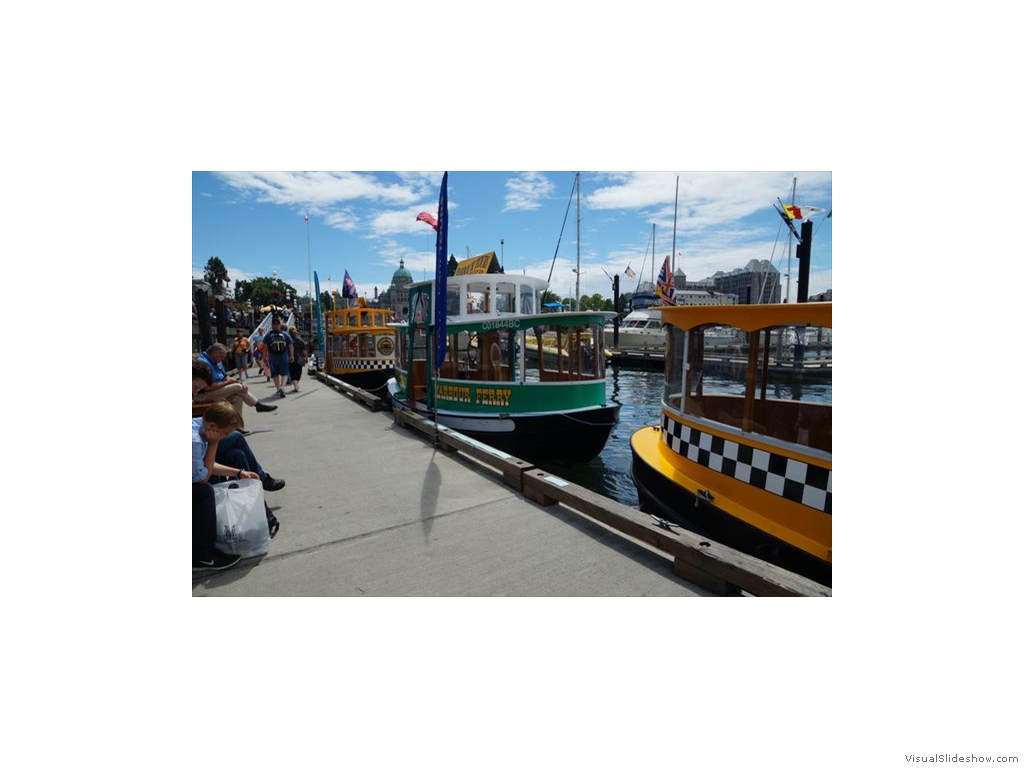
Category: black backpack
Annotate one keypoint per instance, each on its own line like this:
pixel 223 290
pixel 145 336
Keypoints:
pixel 277 343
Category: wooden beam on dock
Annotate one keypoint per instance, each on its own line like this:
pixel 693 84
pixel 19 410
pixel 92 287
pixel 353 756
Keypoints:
pixel 511 467
pixel 360 395
pixel 714 566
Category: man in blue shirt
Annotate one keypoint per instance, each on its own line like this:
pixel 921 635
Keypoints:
pixel 226 387
pixel 280 347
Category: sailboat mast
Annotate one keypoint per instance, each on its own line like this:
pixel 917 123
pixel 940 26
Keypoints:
pixel 675 214
pixel 654 253
pixel 577 307
pixel 789 256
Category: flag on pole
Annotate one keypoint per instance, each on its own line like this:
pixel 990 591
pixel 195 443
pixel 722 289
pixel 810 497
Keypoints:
pixel 424 216
pixel 666 292
pixel 785 218
pixel 348 289
pixel 793 211
pixel 441 276
pixel 630 273
pixel 320 334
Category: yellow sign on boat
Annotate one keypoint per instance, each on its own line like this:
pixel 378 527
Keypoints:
pixel 478 265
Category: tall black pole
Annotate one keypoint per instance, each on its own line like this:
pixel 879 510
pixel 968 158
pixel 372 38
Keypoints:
pixel 203 319
pixel 222 321
pixel 803 257
pixel 615 322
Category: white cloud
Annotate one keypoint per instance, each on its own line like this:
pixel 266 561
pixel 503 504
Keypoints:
pixel 526 191
pixel 318 192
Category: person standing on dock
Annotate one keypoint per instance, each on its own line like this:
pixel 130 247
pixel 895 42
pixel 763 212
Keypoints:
pixel 298 358
pixel 240 351
pixel 281 350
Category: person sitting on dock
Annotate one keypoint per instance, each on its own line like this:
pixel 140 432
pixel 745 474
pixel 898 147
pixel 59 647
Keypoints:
pixel 231 457
pixel 205 439
pixel 234 449
pixel 226 387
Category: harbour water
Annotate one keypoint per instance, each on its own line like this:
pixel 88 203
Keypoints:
pixel 638 393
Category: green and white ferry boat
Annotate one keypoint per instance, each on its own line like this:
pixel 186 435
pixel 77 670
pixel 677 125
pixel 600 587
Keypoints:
pixel 530 384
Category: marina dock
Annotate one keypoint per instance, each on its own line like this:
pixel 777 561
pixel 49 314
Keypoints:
pixel 379 507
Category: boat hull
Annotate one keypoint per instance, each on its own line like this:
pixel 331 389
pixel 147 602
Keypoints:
pixel 660 495
pixel 374 381
pixel 576 436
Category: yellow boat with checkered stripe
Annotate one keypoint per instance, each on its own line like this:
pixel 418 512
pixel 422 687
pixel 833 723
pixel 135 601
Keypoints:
pixel 360 346
pixel 743 453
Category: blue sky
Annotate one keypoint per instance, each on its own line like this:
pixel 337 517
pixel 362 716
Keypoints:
pixel 365 222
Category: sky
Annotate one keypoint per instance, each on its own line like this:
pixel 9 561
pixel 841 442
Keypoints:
pixel 365 223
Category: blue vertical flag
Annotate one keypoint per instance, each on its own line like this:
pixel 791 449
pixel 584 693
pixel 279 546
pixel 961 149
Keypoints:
pixel 320 335
pixel 441 278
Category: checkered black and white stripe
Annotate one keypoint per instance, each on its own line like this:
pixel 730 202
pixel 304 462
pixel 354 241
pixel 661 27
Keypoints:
pixel 363 365
pixel 792 479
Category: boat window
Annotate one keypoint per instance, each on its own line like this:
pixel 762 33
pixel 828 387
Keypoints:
pixel 569 354
pixel 402 349
pixel 526 304
pixel 505 297
pixel 454 306
pixel 476 300
pixel 775 382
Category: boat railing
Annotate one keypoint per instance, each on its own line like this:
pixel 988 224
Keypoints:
pixel 796 421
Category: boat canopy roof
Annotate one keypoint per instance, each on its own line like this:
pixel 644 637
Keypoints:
pixel 489 301
pixel 748 317
pixel 484 279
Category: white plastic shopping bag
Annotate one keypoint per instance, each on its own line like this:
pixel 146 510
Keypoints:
pixel 241 518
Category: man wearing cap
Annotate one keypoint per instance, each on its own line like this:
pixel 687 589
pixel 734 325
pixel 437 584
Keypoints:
pixel 226 387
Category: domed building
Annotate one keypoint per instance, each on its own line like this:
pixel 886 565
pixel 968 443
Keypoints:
pixel 396 297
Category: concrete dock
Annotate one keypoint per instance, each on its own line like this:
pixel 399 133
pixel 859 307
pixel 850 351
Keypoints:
pixel 375 508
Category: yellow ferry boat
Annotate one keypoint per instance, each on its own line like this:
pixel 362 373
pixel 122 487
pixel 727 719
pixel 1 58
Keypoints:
pixel 360 346
pixel 744 455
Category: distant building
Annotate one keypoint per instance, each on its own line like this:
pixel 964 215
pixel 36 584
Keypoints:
pixel 826 296
pixel 396 297
pixel 757 283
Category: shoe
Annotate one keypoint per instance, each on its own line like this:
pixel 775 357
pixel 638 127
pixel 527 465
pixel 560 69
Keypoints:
pixel 272 484
pixel 263 408
pixel 273 526
pixel 217 561
pixel 280 393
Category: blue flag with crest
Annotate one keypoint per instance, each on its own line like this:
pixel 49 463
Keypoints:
pixel 441 278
